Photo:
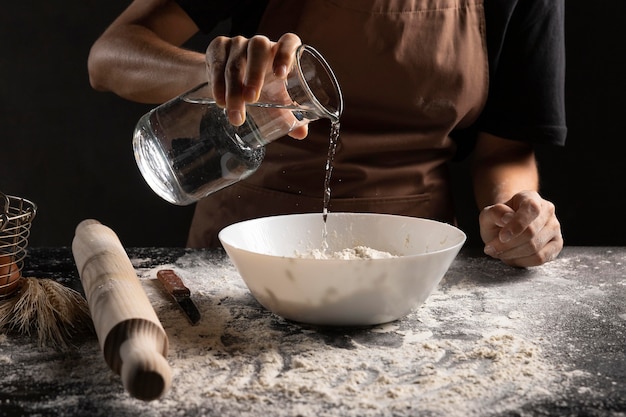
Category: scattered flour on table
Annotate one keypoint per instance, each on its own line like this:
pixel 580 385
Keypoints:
pixel 452 357
pixel 445 359
pixel 357 252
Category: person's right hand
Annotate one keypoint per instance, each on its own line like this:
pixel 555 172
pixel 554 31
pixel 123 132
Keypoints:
pixel 237 67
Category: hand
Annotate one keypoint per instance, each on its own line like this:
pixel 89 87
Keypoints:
pixel 237 68
pixel 522 232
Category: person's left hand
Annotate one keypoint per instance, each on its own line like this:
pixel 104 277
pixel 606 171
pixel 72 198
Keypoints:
pixel 522 232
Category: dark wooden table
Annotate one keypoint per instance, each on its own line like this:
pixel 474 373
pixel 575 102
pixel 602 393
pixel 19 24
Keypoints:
pixel 491 341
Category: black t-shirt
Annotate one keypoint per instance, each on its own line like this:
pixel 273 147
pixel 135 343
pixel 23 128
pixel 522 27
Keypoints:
pixel 526 50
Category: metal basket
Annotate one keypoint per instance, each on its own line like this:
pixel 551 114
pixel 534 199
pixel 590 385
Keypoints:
pixel 16 216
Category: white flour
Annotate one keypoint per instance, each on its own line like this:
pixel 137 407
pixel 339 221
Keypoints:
pixel 483 365
pixel 357 252
pixel 452 357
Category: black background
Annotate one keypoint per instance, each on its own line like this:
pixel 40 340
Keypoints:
pixel 68 148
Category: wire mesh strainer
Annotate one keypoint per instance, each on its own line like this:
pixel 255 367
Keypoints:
pixel 16 215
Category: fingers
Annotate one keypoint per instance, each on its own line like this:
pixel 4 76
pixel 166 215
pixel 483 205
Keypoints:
pixel 300 132
pixel 237 68
pixel 528 250
pixel 216 57
pixel 529 210
pixel 284 51
pixel 227 63
pixel 523 232
pixel 259 58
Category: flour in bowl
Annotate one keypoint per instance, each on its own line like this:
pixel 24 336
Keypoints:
pixel 357 252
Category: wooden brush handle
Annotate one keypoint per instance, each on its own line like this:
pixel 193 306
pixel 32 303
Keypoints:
pixel 132 339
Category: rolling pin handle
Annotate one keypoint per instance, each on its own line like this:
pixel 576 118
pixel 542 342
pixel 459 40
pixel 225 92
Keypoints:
pixel 145 373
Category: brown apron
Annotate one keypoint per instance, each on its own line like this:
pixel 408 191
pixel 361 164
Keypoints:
pixel 410 72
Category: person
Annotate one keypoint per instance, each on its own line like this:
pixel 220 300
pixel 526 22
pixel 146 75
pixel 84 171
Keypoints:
pixel 423 82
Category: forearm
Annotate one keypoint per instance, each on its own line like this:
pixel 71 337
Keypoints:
pixel 141 67
pixel 501 169
pixel 517 225
pixel 139 58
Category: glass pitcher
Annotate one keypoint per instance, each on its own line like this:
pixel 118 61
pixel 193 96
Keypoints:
pixel 187 149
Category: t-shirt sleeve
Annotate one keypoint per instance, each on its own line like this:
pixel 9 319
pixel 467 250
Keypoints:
pixel 244 15
pixel 207 14
pixel 527 72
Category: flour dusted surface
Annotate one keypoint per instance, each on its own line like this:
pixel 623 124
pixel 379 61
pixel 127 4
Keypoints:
pixel 473 349
pixel 445 359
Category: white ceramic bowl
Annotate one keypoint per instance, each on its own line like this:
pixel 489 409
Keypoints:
pixel 351 292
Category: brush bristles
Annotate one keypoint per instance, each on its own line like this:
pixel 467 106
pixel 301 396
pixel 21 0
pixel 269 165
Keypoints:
pixel 51 310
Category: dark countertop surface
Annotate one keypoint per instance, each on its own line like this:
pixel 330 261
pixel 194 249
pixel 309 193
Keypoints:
pixel 490 341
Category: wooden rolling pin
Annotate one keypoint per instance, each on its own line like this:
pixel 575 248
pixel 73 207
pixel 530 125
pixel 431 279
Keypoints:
pixel 131 336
